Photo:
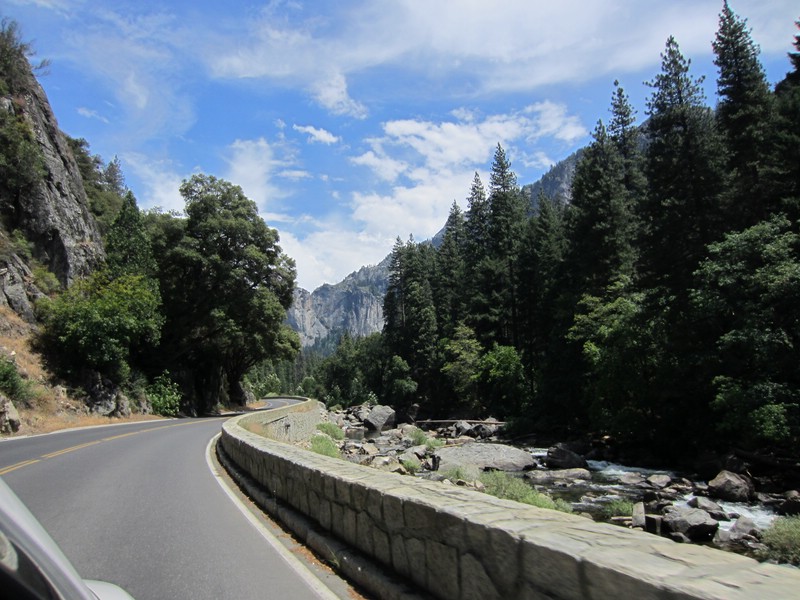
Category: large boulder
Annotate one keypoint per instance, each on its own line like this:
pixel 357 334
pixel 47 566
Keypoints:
pixel 9 417
pixel 791 505
pixel 711 507
pixel 561 457
pixel 732 487
pixel 484 457
pixel 690 523
pixel 558 476
pixel 380 417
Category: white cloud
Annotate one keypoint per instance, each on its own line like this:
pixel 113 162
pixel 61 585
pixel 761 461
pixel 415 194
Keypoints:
pixel 91 114
pixel 463 145
pixel 252 165
pixel 294 174
pixel 160 180
pixel 331 93
pixel 386 168
pixel 538 160
pixel 551 120
pixel 321 136
pixel 475 47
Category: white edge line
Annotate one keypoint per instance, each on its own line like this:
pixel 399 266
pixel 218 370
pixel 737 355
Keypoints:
pixel 293 562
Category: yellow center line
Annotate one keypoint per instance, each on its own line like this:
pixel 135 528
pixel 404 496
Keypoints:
pixel 70 449
pixel 19 465
pixel 25 463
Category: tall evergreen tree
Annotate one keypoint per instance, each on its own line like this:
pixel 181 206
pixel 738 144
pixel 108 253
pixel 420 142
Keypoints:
pixel 128 246
pixel 601 218
pixel 684 169
pixel 745 114
pixel 682 212
pixel 410 329
pixel 449 282
pixel 477 223
pixel 508 212
pixel 786 159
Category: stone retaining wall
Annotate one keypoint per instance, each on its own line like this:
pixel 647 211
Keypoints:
pixel 462 544
pixel 290 424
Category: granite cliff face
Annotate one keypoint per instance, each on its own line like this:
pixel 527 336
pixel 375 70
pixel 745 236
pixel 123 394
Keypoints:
pixel 52 214
pixel 354 305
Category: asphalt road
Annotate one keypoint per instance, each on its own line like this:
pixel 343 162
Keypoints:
pixel 139 505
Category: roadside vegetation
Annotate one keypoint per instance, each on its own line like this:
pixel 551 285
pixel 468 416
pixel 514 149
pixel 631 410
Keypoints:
pixel 332 430
pixel 504 485
pixel 782 539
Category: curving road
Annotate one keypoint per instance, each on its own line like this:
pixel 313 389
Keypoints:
pixel 139 505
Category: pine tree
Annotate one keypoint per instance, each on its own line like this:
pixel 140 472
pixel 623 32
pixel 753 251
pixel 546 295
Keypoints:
pixel 786 159
pixel 410 329
pixel 682 213
pixel 477 223
pixel 744 113
pixel 601 218
pixel 449 283
pixel 128 246
pixel 507 216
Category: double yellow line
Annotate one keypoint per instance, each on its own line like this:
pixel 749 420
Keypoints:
pixel 25 463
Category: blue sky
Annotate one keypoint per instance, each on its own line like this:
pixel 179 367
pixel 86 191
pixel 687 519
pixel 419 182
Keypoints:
pixel 353 122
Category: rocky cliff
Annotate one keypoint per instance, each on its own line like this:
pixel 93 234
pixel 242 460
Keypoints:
pixel 354 305
pixel 50 213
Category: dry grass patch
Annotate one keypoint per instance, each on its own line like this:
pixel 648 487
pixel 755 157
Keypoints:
pixel 50 407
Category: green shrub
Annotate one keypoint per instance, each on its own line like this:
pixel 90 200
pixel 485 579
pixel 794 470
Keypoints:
pixel 164 395
pixel 332 429
pixel 433 443
pixel 411 465
pixel 503 485
pixel 462 473
pixel 418 437
pixel 617 508
pixel 45 280
pixel 782 539
pixel 322 444
pixel 13 385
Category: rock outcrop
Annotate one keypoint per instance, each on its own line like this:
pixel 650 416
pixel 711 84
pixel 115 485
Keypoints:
pixel 52 213
pixel 354 305
pixel 9 417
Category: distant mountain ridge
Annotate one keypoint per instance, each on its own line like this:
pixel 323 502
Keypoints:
pixel 355 304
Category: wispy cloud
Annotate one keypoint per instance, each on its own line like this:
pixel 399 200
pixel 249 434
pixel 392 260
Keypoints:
pixel 321 136
pixel 331 92
pixel 253 165
pixel 160 182
pixel 91 114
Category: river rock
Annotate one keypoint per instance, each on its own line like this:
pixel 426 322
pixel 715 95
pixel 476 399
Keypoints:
pixel 558 475
pixel 745 526
pixel 484 456
pixel 561 457
pixel 380 417
pixel 695 524
pixel 463 428
pixel 9 417
pixel 659 480
pixel 631 478
pixel 743 534
pixel 711 507
pixel 731 486
pixel 791 505
pixel 638 520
